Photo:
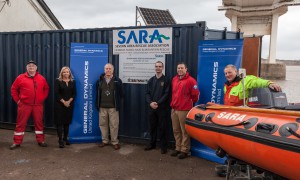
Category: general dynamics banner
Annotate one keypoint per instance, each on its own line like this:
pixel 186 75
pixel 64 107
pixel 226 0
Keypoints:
pixel 87 63
pixel 213 56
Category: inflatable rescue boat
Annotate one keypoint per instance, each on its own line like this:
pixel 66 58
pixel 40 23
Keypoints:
pixel 265 138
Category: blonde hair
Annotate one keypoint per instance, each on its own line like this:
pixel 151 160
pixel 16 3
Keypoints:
pixel 60 76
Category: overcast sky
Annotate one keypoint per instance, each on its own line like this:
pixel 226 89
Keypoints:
pixel 74 14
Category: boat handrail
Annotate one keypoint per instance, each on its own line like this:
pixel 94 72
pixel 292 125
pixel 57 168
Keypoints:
pixel 248 109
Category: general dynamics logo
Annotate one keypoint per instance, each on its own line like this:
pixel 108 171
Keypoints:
pixel 141 37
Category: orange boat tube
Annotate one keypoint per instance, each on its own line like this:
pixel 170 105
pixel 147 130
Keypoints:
pixel 266 138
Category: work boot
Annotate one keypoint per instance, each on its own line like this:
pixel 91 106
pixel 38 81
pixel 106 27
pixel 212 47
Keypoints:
pixel 103 144
pixel 42 144
pixel 14 146
pixel 67 141
pixel 117 146
pixel 175 153
pixel 61 144
pixel 182 155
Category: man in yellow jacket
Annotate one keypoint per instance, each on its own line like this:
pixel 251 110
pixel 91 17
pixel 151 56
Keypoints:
pixel 234 94
pixel 233 88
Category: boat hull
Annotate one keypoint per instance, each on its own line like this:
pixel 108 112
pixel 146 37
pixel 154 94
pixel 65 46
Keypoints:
pixel 275 150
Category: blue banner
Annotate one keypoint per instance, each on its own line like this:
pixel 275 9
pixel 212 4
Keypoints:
pixel 87 64
pixel 213 56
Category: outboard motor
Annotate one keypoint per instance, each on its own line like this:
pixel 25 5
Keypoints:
pixel 268 98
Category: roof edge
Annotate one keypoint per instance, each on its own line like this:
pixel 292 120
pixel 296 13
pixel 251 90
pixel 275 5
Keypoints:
pixel 50 14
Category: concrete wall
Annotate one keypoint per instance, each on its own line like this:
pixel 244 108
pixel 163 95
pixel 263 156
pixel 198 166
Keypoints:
pixel 273 71
pixel 24 15
pixel 289 62
pixel 286 62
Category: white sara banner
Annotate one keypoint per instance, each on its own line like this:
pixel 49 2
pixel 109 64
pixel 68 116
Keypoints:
pixel 148 40
pixel 138 68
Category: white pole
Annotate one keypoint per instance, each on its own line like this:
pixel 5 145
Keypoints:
pixel 242 73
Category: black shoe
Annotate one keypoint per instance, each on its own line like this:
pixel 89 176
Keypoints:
pixel 148 148
pixel 42 144
pixel 67 141
pixel 61 144
pixel 14 146
pixel 182 155
pixel 163 151
pixel 175 153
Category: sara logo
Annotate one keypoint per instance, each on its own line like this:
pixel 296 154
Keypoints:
pixel 140 37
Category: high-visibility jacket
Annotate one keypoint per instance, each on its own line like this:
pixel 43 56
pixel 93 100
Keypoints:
pixel 233 92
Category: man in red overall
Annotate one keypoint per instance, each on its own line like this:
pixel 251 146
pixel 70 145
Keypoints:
pixel 29 91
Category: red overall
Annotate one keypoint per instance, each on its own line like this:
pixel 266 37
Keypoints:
pixel 29 93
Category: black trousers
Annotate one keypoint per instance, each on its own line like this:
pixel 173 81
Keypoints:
pixel 158 127
pixel 63 131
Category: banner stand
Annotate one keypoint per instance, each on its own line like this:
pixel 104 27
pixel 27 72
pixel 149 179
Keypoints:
pixel 87 64
pixel 213 57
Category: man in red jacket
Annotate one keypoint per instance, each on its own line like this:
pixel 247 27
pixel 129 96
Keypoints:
pixel 29 91
pixel 184 94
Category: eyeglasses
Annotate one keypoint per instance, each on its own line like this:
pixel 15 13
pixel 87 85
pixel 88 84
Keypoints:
pixel 158 66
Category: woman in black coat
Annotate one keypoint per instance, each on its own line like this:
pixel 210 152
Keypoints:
pixel 65 92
